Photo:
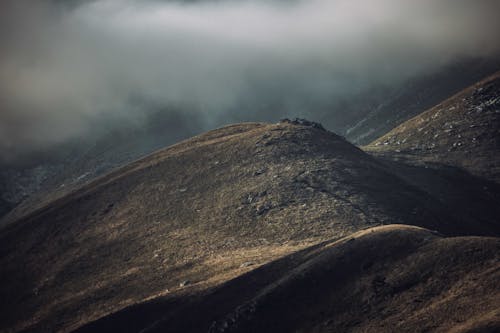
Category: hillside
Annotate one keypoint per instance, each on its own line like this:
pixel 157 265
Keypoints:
pixel 360 118
pixel 463 131
pixel 415 281
pixel 390 109
pixel 207 210
pixel 66 167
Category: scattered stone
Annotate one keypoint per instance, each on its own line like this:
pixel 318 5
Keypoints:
pixel 184 283
pixel 263 208
pixel 247 264
pixel 259 172
pixel 250 198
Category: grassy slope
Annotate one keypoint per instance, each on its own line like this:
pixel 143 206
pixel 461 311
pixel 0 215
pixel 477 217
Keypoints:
pixel 385 279
pixel 197 211
pixel 463 131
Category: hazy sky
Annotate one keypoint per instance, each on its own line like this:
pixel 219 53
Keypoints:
pixel 63 68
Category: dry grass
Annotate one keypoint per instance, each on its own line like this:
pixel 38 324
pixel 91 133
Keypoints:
pixel 197 211
pixel 386 279
pixel 462 131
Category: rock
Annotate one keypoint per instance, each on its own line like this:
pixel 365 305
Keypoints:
pixel 263 208
pixel 184 283
pixel 259 172
pixel 247 264
pixel 303 122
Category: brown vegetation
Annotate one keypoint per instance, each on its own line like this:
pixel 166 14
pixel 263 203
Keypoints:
pixel 250 228
pixel 463 131
pixel 386 279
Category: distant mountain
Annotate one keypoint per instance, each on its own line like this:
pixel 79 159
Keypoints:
pixel 64 168
pixel 195 215
pixel 463 131
pixel 373 115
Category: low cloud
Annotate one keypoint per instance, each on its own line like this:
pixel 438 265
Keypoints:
pixel 64 68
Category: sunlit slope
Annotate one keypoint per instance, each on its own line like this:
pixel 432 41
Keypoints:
pixel 463 131
pixel 386 279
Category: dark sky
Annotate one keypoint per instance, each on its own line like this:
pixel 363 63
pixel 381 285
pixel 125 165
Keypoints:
pixel 63 68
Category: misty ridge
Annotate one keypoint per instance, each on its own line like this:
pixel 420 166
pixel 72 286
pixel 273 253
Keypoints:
pixel 73 69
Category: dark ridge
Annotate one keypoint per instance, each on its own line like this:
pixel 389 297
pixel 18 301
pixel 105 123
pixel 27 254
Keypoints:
pixel 303 122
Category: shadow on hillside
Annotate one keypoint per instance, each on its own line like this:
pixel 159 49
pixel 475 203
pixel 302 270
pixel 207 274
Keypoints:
pixel 413 274
pixel 472 201
pixel 143 316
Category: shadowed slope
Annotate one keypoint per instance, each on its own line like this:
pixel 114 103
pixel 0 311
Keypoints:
pixel 384 279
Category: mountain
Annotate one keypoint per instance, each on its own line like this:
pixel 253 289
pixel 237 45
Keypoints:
pixel 463 131
pixel 27 184
pixel 360 118
pixel 377 113
pixel 187 219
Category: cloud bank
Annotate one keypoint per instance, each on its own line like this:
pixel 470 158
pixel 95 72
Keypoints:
pixel 66 71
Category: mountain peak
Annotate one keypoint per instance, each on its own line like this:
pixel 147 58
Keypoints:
pixel 302 122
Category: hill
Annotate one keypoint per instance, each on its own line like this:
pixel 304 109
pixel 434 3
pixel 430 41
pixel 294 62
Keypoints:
pixel 463 131
pixel 26 183
pixel 361 118
pixel 382 112
pixel 206 210
pixel 415 281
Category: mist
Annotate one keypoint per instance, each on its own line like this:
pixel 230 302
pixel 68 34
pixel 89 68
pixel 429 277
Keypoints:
pixel 68 71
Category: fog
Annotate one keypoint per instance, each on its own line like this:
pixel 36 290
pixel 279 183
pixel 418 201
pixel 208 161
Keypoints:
pixel 70 69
